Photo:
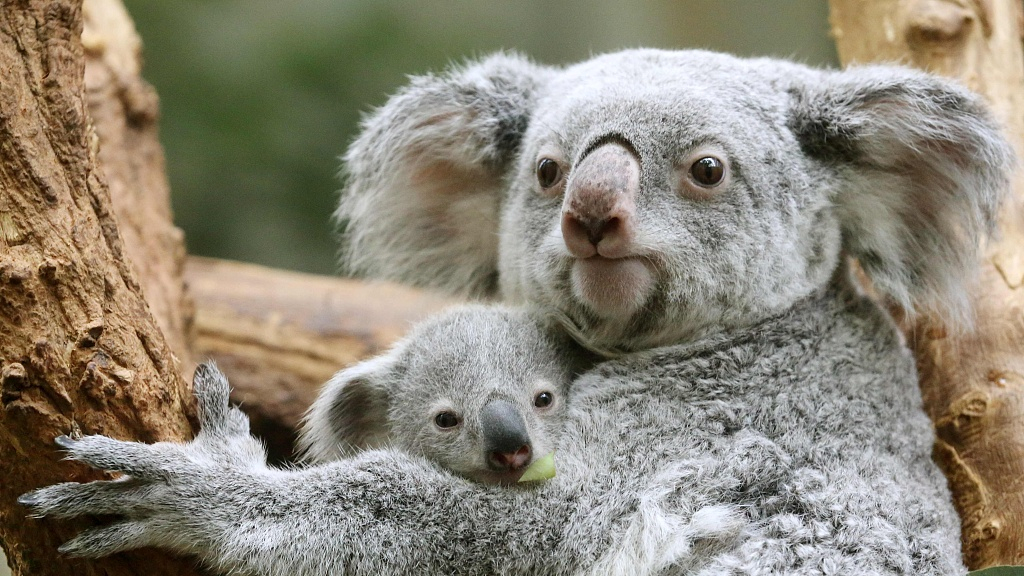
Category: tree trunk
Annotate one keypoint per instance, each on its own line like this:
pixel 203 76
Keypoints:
pixel 973 384
pixel 124 110
pixel 80 351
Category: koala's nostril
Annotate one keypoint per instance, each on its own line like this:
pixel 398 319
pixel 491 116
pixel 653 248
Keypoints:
pixel 586 237
pixel 511 460
pixel 609 228
pixel 578 237
pixel 597 230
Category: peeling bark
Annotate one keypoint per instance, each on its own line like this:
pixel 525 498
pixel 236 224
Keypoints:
pixel 80 351
pixel 973 384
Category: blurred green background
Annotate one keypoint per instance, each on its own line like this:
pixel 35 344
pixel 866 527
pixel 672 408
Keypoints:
pixel 260 97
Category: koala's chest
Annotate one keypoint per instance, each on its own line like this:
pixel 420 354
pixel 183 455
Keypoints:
pixel 797 411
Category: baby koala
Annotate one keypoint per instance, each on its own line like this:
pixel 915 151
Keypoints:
pixel 485 412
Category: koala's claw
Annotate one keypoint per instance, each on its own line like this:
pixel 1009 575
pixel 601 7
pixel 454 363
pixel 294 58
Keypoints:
pixel 111 539
pixel 29 499
pixel 64 441
pixel 71 499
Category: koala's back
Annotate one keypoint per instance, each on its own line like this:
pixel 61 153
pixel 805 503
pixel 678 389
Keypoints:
pixel 802 439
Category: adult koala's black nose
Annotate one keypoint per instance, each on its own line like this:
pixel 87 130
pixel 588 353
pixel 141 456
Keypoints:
pixel 505 438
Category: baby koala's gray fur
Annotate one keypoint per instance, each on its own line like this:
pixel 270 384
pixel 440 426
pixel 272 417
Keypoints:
pixel 760 418
pixel 486 374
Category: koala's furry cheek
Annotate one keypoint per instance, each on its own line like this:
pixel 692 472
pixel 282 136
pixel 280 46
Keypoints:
pixel 531 261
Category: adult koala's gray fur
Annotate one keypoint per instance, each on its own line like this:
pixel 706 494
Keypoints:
pixel 688 211
pixel 481 393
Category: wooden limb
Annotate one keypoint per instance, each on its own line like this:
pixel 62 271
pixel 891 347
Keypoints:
pixel 124 110
pixel 80 351
pixel 280 335
pixel 973 384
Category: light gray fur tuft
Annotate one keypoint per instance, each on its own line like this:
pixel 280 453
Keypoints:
pixel 361 395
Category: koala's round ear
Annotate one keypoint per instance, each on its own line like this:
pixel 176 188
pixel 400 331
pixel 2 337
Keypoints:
pixel 424 178
pixel 921 169
pixel 350 413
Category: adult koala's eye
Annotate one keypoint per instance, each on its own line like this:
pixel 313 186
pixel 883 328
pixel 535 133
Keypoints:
pixel 707 171
pixel 446 419
pixel 549 173
pixel 543 399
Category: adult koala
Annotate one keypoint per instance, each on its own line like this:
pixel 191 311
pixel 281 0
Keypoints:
pixel 688 211
pixel 650 198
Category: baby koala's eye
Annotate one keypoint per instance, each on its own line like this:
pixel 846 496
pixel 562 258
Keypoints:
pixel 543 399
pixel 549 173
pixel 707 171
pixel 446 419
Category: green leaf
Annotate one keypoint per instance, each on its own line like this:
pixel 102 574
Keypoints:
pixel 999 571
pixel 541 469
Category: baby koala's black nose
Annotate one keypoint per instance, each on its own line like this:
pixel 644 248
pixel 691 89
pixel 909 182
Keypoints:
pixel 506 440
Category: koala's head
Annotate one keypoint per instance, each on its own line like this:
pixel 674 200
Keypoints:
pixel 479 390
pixel 648 197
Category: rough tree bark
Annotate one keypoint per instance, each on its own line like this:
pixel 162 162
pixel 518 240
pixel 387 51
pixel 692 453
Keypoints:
pixel 80 350
pixel 125 111
pixel 973 384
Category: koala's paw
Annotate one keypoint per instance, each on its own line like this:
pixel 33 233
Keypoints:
pixel 166 487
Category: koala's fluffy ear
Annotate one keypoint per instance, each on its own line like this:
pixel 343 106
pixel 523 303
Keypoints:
pixel 350 413
pixel 424 178
pixel 922 169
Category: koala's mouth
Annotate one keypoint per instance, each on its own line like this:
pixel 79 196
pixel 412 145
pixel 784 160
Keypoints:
pixel 612 288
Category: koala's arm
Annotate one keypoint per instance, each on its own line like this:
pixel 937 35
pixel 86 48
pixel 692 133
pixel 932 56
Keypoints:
pixel 383 512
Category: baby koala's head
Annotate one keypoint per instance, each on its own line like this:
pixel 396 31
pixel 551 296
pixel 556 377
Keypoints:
pixel 479 390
